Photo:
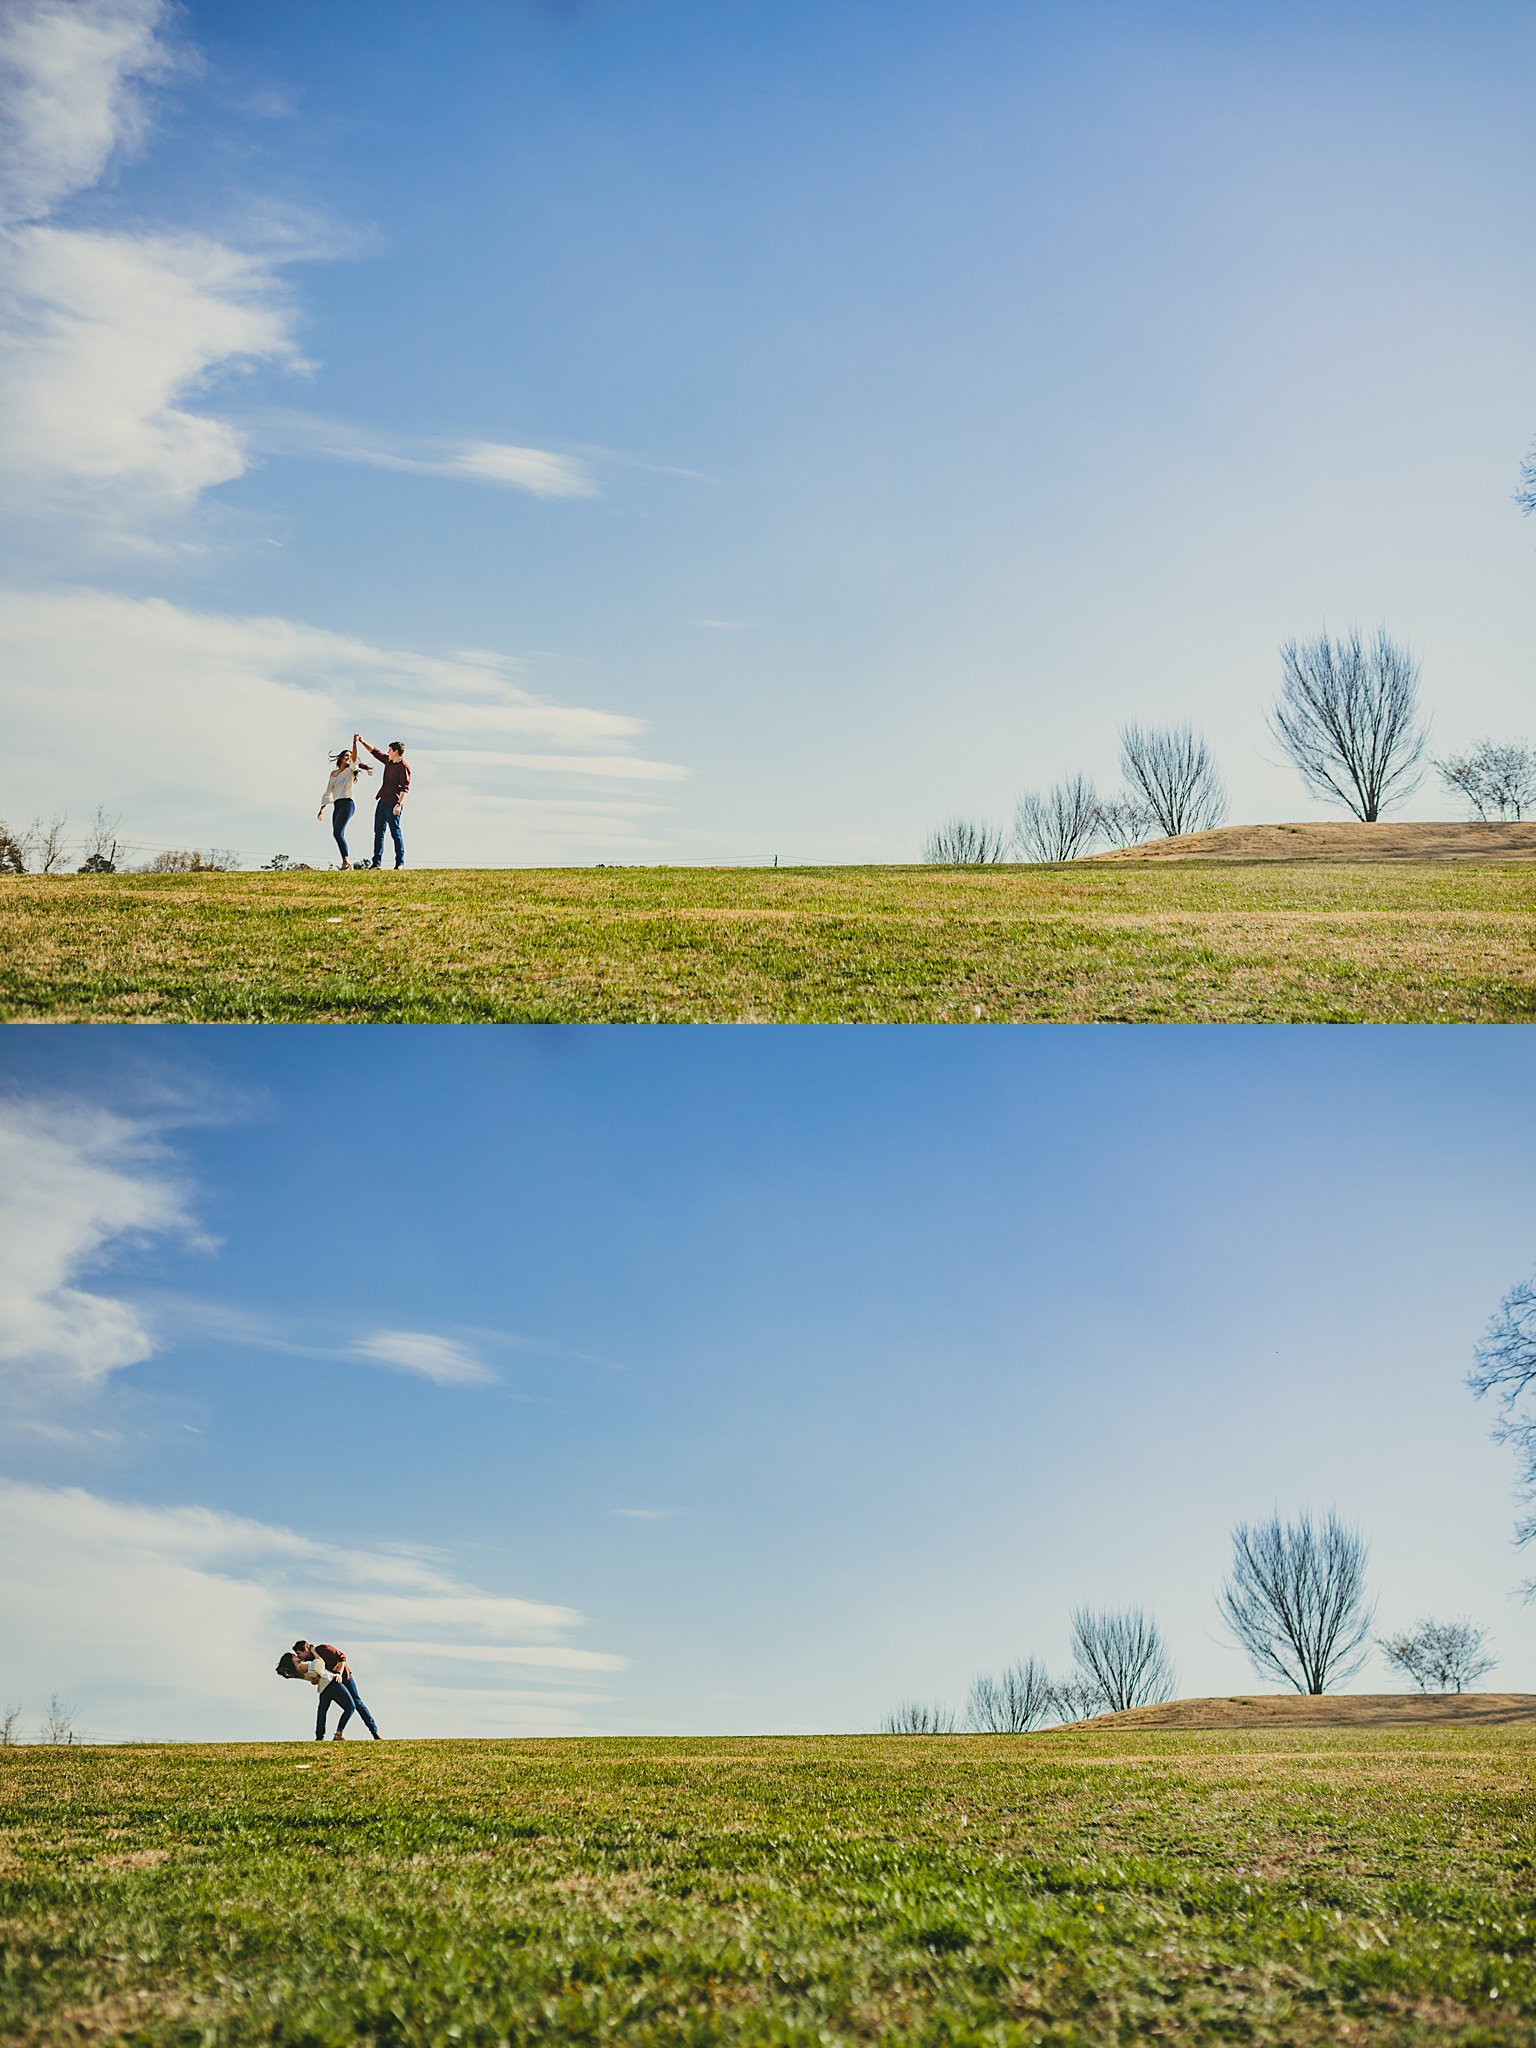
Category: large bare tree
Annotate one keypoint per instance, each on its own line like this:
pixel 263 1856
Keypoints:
pixel 1012 1704
pixel 1505 1366
pixel 1121 1653
pixel 966 843
pixel 1348 716
pixel 1296 1600
pixel 1441 1656
pixel 1059 825
pixel 1169 767
pixel 1498 779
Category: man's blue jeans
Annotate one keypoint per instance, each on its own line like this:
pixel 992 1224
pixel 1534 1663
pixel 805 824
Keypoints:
pixel 384 816
pixel 368 1721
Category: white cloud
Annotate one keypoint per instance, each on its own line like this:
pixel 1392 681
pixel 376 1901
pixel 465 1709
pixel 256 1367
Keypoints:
pixel 102 336
pixel 105 337
pixel 200 728
pixel 76 1185
pixel 168 1621
pixel 646 1514
pixel 537 470
pixel 528 469
pixel 440 1359
pixel 69 77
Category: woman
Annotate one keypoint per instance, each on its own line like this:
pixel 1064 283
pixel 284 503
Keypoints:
pixel 338 794
pixel 331 1690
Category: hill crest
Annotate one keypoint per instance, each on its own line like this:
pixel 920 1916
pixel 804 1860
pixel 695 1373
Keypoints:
pixel 1455 840
pixel 1330 1710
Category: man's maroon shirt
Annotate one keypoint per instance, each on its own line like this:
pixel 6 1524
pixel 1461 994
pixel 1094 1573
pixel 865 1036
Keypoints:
pixel 394 782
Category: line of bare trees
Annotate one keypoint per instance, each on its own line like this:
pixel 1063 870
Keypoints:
pixel 1347 716
pixel 1295 1600
pixel 56 1726
pixel 48 846
pixel 1119 1660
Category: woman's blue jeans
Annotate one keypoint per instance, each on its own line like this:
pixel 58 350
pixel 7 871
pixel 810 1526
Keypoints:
pixel 335 1695
pixel 341 817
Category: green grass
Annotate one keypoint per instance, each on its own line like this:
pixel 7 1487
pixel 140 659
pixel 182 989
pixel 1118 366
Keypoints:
pixel 1391 942
pixel 1349 1886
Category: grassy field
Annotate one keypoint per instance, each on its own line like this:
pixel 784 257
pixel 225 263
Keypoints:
pixel 1139 942
pixel 1262 1887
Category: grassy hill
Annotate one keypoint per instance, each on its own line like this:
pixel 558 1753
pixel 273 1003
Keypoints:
pixel 1077 1888
pixel 1330 1710
pixel 1133 940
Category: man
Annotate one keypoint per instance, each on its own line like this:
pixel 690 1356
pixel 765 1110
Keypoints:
pixel 335 1661
pixel 392 789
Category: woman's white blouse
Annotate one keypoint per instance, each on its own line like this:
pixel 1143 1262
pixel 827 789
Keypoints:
pixel 340 784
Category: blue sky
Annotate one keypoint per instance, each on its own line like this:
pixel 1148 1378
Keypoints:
pixel 713 433
pixel 653 1381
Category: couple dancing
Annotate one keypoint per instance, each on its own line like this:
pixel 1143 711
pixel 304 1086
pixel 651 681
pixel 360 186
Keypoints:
pixel 327 1670
pixel 349 764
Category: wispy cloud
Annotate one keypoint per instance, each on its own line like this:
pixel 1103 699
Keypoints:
pixel 116 1591
pixel 459 1357
pixel 441 1359
pixel 537 470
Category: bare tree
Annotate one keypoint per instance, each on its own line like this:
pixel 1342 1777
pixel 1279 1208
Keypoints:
pixel 1059 825
pixel 1504 1365
pixel 1441 1656
pixel 1169 768
pixel 1126 820
pixel 918 1717
pixel 1010 1705
pixel 966 843
pixel 1121 1652
pixel 58 1722
pixel 10 1727
pixel 1348 716
pixel 1498 781
pixel 1296 1600
pixel 13 852
pixel 1076 1698
pixel 46 844
pixel 101 843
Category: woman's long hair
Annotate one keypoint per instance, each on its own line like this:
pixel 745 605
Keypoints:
pixel 286 1667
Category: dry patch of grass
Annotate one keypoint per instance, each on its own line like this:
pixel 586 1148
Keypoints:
pixel 1391 840
pixel 1329 1710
